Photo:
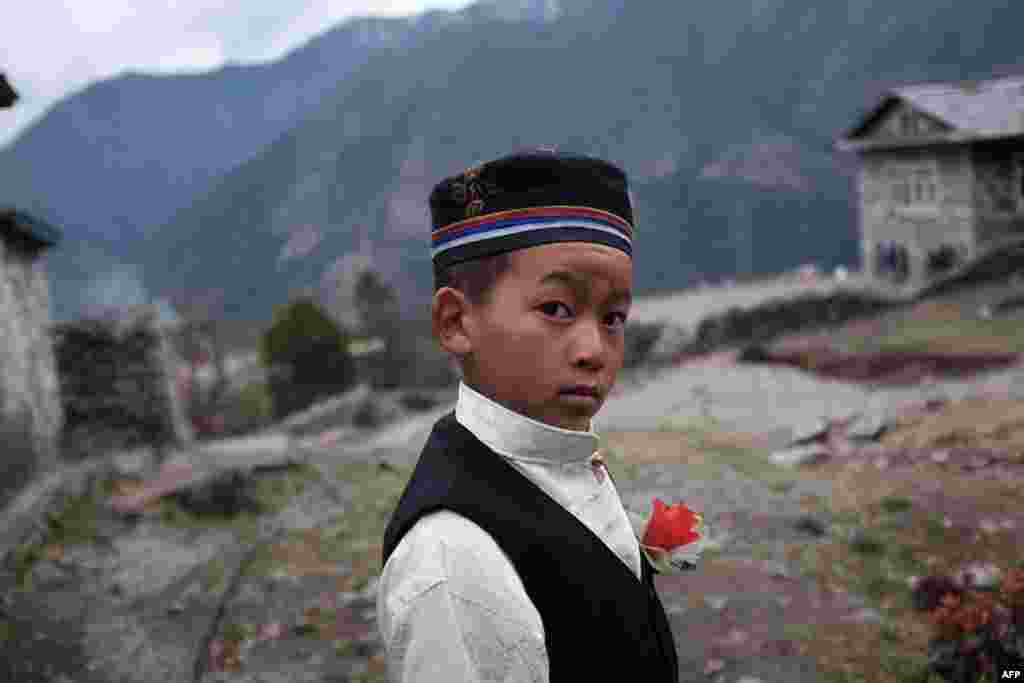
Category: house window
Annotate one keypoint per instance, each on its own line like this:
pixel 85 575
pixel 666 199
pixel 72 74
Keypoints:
pixel 915 185
pixel 1005 184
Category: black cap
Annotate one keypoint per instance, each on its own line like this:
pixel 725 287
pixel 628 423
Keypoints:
pixel 528 199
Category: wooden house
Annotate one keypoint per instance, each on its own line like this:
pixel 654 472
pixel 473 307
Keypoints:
pixel 941 177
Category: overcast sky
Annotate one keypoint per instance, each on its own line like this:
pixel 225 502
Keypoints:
pixel 51 48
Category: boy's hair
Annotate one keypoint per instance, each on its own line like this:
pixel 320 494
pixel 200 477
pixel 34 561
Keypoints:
pixel 476 278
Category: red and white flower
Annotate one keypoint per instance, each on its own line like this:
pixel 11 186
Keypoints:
pixel 673 538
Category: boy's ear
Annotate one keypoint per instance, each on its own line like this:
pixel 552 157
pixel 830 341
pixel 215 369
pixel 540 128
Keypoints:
pixel 451 321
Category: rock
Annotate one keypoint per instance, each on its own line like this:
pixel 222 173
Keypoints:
pixel 172 477
pixel 867 428
pixel 376 411
pixel 713 666
pixel 864 615
pixel 753 353
pixel 811 525
pixel 133 464
pixel 417 401
pixel 49 574
pixel 673 340
pixel 640 338
pixel 333 412
pixel 810 454
pixel 226 494
pixel 776 569
pixel 981 575
pixel 811 432
pixel 716 602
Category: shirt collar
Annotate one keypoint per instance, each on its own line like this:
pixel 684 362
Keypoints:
pixel 516 436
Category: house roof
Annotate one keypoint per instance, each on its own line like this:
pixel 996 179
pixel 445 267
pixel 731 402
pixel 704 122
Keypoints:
pixel 13 221
pixel 7 95
pixel 968 111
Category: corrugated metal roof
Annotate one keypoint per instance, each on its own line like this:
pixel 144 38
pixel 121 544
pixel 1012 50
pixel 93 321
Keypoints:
pixel 989 108
pixel 21 223
pixel 974 110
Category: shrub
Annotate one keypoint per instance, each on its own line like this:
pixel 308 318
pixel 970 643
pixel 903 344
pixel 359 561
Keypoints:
pixel 975 632
pixel 255 404
pixel 307 356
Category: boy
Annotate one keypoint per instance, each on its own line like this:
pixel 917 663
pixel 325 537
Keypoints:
pixel 510 556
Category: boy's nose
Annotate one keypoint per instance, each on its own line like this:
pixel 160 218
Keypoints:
pixel 590 346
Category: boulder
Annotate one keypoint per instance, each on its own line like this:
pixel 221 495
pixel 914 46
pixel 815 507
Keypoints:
pixel 333 412
pixel 672 340
pixel 810 454
pixel 376 411
pixel 640 338
pixel 867 428
pixel 811 525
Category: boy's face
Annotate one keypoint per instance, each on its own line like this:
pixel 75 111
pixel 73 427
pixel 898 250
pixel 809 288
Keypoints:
pixel 555 320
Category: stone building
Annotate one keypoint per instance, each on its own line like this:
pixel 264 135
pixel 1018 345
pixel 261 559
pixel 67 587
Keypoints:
pixel 941 177
pixel 29 387
pixel 30 401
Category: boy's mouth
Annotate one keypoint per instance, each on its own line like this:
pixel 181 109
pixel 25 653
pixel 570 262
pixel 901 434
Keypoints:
pixel 581 390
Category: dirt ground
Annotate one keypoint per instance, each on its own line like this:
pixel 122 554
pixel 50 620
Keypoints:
pixel 939 491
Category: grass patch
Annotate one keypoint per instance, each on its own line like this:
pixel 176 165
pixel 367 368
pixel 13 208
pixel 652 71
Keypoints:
pixel 703 444
pixel 174 514
pixel 215 576
pixel 353 539
pixel 945 330
pixel 866 544
pixel 895 504
pixel 708 435
pixel 238 632
pixel 274 492
pixel 75 522
pixel 782 487
pixel 271 493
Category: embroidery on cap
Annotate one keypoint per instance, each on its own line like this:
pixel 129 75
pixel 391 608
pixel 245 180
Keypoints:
pixel 470 188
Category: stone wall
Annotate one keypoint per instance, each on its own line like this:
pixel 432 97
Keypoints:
pixel 920 202
pixel 737 327
pixel 117 382
pixel 29 390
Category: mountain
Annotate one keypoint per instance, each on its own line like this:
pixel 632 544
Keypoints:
pixel 724 120
pixel 116 160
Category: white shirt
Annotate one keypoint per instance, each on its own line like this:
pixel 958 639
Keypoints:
pixel 451 607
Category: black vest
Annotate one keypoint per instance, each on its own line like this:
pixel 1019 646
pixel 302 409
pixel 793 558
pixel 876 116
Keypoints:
pixel 600 622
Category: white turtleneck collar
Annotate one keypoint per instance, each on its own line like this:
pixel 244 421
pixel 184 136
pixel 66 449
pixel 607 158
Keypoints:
pixel 516 436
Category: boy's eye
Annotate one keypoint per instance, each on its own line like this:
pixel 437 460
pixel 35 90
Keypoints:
pixel 551 307
pixel 622 317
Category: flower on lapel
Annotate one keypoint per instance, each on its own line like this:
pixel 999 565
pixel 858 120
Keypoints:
pixel 673 538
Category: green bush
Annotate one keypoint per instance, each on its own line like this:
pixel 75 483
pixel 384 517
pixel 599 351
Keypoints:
pixel 253 408
pixel 306 355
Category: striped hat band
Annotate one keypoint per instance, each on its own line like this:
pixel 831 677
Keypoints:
pixel 494 233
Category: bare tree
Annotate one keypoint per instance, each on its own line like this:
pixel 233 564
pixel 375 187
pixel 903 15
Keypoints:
pixel 202 342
